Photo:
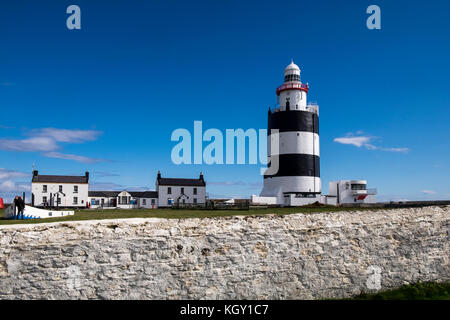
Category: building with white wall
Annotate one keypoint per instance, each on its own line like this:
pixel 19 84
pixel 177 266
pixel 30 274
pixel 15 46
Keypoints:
pixel 59 191
pixel 179 191
pixel 169 192
pixel 123 199
pixel 350 191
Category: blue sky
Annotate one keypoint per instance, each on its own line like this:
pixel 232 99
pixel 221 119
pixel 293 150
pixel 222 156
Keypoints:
pixel 107 98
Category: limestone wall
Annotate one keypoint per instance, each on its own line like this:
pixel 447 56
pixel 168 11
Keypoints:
pixel 301 256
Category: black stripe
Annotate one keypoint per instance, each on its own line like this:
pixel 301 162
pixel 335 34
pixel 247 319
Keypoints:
pixel 306 165
pixel 294 120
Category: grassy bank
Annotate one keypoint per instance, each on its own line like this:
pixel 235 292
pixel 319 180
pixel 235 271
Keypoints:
pixel 419 291
pixel 173 213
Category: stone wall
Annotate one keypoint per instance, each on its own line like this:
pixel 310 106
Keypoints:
pixel 301 256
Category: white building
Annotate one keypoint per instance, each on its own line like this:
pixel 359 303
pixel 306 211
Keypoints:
pixel 177 191
pixel 349 191
pixel 59 191
pixel 123 199
pixel 169 192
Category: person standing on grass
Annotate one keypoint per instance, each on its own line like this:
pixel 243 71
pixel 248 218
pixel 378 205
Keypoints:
pixel 16 206
pixel 20 207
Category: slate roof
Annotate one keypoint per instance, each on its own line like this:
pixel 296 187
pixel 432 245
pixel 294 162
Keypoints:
pixel 181 182
pixel 60 179
pixel 103 194
pixel 113 194
pixel 144 194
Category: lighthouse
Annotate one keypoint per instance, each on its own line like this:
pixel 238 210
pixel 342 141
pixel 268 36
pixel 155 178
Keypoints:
pixel 293 173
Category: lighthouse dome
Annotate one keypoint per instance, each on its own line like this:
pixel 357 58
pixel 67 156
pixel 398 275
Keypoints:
pixel 292 68
pixel 292 72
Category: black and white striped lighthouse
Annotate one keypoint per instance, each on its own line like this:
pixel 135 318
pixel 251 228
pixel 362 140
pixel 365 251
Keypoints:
pixel 293 173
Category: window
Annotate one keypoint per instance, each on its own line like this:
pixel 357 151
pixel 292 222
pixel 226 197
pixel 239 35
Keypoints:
pixel 75 200
pixel 182 190
pixel 169 190
pixel 44 188
pixel 103 201
pixel 58 200
pixel 292 77
pixel 75 189
pixel 195 190
pixel 60 188
pixel 144 202
pixel 124 200
pixel 195 200
pixel 358 186
pixel 153 201
pixel 44 199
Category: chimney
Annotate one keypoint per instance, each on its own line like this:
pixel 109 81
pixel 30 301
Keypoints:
pixel 158 177
pixel 87 176
pixel 201 176
pixel 35 173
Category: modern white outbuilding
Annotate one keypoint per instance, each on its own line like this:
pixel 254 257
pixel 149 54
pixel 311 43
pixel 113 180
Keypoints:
pixel 350 191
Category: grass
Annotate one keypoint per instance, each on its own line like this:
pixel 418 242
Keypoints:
pixel 173 213
pixel 419 291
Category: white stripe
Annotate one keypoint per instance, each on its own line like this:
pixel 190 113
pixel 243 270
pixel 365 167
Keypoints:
pixel 277 185
pixel 297 142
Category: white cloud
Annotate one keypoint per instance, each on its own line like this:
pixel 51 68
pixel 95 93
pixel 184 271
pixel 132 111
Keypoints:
pixel 66 135
pixel 9 186
pixel 356 141
pixel 428 191
pixel 74 157
pixel 11 174
pixel 47 141
pixel 364 141
pixel 34 144
pixel 395 149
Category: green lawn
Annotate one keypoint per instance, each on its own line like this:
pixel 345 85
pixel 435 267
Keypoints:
pixel 174 213
pixel 419 291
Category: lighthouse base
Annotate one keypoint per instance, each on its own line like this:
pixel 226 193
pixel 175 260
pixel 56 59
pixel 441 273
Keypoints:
pixel 292 190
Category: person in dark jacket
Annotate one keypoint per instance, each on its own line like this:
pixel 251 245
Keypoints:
pixel 20 207
pixel 16 206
